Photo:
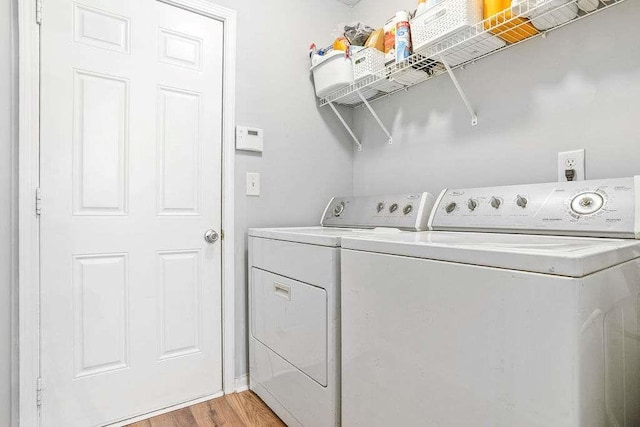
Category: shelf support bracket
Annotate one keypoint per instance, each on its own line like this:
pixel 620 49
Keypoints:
pixel 474 116
pixel 346 126
pixel 375 116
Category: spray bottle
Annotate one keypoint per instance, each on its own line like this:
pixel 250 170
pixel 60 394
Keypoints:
pixel 403 36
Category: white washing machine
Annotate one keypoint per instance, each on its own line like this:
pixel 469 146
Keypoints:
pixel 461 327
pixel 294 298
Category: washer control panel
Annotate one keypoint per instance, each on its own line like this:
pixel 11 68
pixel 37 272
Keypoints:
pixel 403 211
pixel 600 208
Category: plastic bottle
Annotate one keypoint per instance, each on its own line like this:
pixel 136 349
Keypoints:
pixel 501 22
pixel 313 50
pixel 422 6
pixel 403 36
pixel 431 3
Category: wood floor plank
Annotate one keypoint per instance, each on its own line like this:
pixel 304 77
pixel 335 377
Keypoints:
pixel 232 410
pixel 179 418
pixel 253 411
pixel 215 413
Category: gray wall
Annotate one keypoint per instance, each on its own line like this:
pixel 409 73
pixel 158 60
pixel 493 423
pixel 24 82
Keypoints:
pixel 578 88
pixel 6 208
pixel 307 156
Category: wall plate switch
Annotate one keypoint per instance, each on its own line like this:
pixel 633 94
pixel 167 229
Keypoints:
pixel 253 184
pixel 572 164
pixel 249 139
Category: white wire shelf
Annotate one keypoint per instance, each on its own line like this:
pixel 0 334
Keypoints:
pixel 440 58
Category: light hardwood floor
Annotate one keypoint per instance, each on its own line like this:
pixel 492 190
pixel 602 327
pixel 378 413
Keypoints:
pixel 239 409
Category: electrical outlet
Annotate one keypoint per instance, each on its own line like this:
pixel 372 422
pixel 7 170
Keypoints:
pixel 253 184
pixel 571 161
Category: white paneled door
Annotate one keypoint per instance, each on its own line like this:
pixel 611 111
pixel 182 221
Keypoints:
pixel 131 115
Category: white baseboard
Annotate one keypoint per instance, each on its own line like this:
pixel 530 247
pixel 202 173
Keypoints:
pixel 242 383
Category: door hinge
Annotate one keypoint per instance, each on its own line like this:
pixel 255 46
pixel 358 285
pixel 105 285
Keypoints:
pixel 38 12
pixel 38 201
pixel 221 234
pixel 39 391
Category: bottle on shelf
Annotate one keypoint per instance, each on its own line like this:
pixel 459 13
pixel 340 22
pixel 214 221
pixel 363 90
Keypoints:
pixel 403 36
pixel 389 30
pixel 422 6
pixel 500 21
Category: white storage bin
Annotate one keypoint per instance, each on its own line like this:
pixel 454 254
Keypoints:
pixel 444 20
pixel 588 5
pixel 332 71
pixel 370 62
pixel 547 13
pixel 476 43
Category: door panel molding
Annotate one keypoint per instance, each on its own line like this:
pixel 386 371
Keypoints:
pixel 28 182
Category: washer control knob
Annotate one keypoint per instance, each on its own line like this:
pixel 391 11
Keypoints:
pixel 495 202
pixel 521 201
pixel 450 207
pixel 407 209
pixel 338 209
pixel 587 203
pixel 393 208
pixel 472 204
pixel 380 207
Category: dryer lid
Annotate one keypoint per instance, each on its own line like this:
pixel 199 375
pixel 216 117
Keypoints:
pixel 323 236
pixel 563 256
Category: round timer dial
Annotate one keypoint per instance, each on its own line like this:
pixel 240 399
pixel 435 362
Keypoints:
pixel 587 203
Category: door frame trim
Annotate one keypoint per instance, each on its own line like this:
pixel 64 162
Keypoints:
pixel 28 223
pixel 29 178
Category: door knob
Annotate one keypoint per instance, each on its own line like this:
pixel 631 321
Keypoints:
pixel 211 236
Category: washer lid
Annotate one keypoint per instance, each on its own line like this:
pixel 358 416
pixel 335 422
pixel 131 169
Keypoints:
pixel 324 236
pixel 562 256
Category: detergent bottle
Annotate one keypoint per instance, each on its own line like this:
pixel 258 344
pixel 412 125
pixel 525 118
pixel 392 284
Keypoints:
pixel 497 12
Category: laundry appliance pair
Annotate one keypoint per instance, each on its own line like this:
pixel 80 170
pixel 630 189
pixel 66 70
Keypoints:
pixel 518 306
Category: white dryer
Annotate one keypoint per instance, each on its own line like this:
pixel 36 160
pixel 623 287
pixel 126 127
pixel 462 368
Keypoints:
pixel 294 302
pixel 461 327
